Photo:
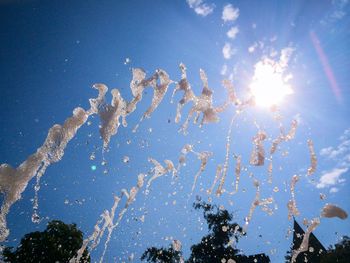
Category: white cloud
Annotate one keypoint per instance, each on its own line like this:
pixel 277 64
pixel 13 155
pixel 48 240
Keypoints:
pixel 273 39
pixel 224 70
pixel 273 53
pixel 286 54
pixel 228 51
pixel 252 48
pixel 336 12
pixel 280 65
pixel 346 135
pixel 326 151
pixel 204 9
pixel 333 190
pixel 332 177
pixel 340 153
pixel 230 13
pixel 200 7
pixel 193 3
pixel 232 32
pixel 261 45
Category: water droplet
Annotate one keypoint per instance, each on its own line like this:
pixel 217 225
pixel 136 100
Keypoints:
pixel 127 61
pixel 322 196
pixel 35 218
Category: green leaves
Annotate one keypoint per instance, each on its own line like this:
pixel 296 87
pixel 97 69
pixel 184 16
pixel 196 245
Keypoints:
pixel 59 242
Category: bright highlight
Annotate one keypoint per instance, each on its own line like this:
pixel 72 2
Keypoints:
pixel 269 86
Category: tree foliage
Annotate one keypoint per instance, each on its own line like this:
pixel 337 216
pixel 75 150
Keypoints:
pixel 154 254
pixel 288 256
pixel 215 246
pixel 339 253
pixel 219 244
pixel 59 242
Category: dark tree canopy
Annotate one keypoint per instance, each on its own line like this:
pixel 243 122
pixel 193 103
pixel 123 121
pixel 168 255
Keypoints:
pixel 59 242
pixel 339 253
pixel 215 246
pixel 154 254
pixel 212 248
pixel 313 254
pixel 317 253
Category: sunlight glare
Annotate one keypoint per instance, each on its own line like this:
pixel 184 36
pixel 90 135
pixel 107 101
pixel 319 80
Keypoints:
pixel 269 86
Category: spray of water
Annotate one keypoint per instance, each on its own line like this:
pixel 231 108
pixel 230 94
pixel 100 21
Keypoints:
pixel 13 181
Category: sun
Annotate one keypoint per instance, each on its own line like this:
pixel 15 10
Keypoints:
pixel 269 86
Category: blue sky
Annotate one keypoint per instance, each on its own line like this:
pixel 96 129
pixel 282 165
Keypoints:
pixel 52 52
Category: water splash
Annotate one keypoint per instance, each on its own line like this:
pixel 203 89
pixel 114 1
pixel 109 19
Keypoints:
pixel 232 98
pixel 203 157
pixel 237 171
pixel 182 159
pixel 304 246
pixel 183 85
pixel 107 221
pixel 217 176
pixel 158 170
pixel 291 134
pixel 110 116
pixel 269 171
pixel 158 94
pixel 258 154
pixel 257 202
pixel 220 190
pixel 291 205
pixel 177 246
pixel 282 137
pixel 330 210
pixel 313 158
pixel 202 104
pixel 13 181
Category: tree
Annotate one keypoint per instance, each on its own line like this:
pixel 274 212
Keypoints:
pixel 154 254
pixel 216 247
pixel 313 254
pixel 339 253
pixel 59 242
